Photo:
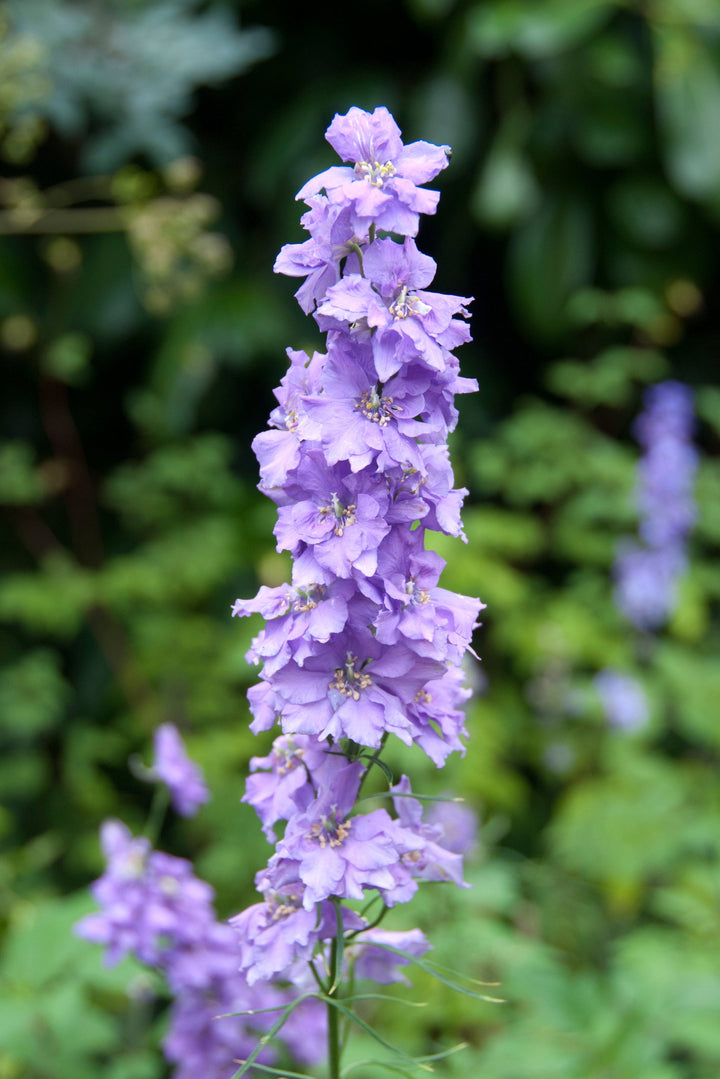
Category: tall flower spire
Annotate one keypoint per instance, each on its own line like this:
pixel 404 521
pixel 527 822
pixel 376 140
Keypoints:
pixel 361 644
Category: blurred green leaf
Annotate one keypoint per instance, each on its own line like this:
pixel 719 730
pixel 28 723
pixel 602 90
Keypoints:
pixel 68 357
pixel 506 191
pixel 20 483
pixel 33 695
pixel 687 91
pixel 531 30
pixel 550 256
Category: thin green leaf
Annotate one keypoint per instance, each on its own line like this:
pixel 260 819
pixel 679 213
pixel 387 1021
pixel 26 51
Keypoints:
pixel 411 794
pixel 386 996
pixel 266 1038
pixel 282 1072
pixel 450 978
pixel 401 1068
pixel 427 797
pixel 381 765
pixel 446 1052
pixel 337 947
pixel 373 1034
pixel 251 1011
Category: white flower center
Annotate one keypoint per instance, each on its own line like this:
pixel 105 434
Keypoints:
pixel 375 173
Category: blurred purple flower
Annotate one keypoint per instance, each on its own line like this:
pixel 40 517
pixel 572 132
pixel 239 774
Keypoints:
pixel 459 826
pixel 646 574
pixel 152 903
pixel 374 960
pixel 182 776
pixel 623 699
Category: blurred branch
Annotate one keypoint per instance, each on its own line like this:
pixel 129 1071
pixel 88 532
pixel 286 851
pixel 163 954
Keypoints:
pixel 80 495
pixel 37 222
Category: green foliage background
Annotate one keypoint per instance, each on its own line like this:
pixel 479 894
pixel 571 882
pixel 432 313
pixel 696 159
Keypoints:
pixel 151 151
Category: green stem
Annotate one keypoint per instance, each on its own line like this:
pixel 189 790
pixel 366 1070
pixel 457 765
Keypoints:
pixel 371 760
pixel 358 251
pixel 333 1041
pixel 336 966
pixel 156 816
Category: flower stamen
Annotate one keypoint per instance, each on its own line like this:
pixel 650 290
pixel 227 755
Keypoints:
pixel 375 173
pixel 344 515
pixel 348 681
pixel 375 407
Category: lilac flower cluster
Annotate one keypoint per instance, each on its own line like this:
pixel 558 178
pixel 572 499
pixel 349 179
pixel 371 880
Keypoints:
pixel 647 572
pixel 363 642
pixel 154 908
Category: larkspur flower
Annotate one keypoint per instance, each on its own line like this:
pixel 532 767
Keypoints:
pixel 373 958
pixel 382 186
pixel 339 854
pixel 333 240
pixel 182 776
pixel 433 861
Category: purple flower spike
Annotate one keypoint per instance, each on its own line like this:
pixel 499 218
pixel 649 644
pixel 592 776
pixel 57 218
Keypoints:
pixel 182 776
pixel 647 574
pixel 362 643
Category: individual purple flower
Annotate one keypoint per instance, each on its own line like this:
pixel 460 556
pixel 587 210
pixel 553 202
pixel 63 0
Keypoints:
pixel 278 450
pixel 276 934
pixel 406 322
pixel 337 854
pixel 358 420
pixel 432 621
pixel 458 824
pixel 354 688
pixel 299 620
pixel 340 515
pixel 437 717
pixel 288 779
pixel 182 776
pixel 375 953
pixel 333 239
pixel 381 187
pixel 623 699
pixel 433 861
